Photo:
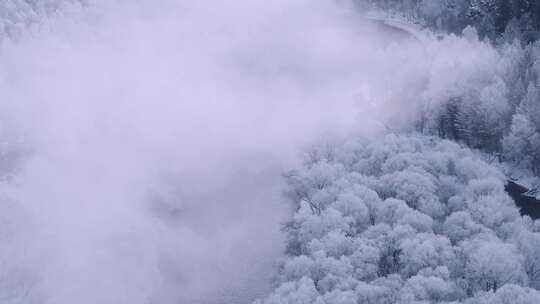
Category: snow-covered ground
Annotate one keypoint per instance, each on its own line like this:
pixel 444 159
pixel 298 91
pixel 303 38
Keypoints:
pixel 405 23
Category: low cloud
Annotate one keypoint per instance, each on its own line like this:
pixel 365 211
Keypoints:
pixel 144 142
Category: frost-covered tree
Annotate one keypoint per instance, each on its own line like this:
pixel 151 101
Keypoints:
pixel 508 294
pixel 522 144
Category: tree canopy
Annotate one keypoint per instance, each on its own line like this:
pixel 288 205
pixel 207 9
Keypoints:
pixel 405 219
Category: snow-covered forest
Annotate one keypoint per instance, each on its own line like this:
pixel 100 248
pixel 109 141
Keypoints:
pixel 421 219
pixel 501 115
pixel 405 219
pixel 269 152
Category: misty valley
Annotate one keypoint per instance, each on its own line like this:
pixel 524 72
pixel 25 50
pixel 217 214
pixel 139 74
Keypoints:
pixel 269 152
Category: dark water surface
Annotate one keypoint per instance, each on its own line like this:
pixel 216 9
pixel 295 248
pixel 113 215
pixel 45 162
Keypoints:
pixel 527 205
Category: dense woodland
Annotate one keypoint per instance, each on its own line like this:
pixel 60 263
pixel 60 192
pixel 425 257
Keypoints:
pixel 405 219
pixel 502 115
pixel 508 19
pixel 420 218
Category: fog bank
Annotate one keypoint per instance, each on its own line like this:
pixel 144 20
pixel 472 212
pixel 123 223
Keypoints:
pixel 143 141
